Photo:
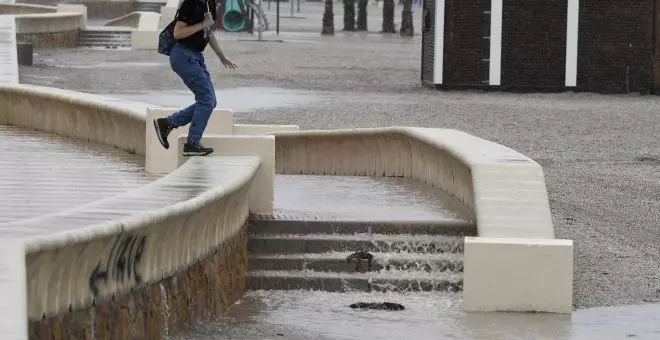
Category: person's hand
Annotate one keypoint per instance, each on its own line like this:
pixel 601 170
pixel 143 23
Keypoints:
pixel 227 63
pixel 208 20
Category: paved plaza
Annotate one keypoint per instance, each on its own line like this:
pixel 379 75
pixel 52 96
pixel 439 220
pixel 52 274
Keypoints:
pixel 599 153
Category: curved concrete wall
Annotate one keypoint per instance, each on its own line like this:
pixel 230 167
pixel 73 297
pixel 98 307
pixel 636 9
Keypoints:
pixel 104 9
pixel 143 21
pixel 25 9
pixel 82 256
pixel 505 188
pixel 49 29
pixel 80 115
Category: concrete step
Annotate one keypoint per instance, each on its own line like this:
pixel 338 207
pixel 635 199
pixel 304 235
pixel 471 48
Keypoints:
pixel 103 38
pixel 104 33
pixel 140 6
pixel 104 41
pixel 347 282
pixel 323 243
pixel 339 262
pixel 263 225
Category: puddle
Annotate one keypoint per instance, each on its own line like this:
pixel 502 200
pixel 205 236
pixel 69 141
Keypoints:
pixel 321 315
pixel 241 99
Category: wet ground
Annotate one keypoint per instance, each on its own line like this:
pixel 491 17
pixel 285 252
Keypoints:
pixel 241 99
pixel 599 153
pixel 319 315
pixel 42 173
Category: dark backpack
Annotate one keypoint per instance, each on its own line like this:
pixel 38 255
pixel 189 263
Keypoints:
pixel 166 39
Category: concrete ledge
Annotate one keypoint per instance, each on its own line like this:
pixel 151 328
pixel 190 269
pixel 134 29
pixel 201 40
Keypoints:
pixel 262 192
pixel 17 8
pixel 69 8
pixel 47 30
pixel 518 275
pixel 143 21
pixel 144 40
pixel 253 129
pixel 505 188
pixel 13 324
pixel 162 161
pixel 166 15
pixel 9 63
pixel 98 9
pixel 83 256
pixel 80 115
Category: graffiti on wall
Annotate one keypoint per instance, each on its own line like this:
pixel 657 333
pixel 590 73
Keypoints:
pixel 122 265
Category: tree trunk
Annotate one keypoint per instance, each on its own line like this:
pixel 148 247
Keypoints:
pixel 362 15
pixel 407 27
pixel 388 16
pixel 349 15
pixel 328 19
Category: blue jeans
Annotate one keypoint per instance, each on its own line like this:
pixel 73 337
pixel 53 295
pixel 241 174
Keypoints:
pixel 189 65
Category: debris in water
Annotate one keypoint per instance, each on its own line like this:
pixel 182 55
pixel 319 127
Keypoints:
pixel 358 257
pixel 378 306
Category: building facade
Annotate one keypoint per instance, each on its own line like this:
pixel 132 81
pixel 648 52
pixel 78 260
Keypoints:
pixel 604 46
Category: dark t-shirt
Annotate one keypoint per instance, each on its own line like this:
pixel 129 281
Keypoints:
pixel 192 12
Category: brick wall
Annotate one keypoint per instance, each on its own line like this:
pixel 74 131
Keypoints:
pixel 466 48
pixel 534 43
pixel 615 45
pixel 428 41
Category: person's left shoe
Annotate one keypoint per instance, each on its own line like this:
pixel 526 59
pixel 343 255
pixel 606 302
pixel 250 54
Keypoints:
pixel 196 149
pixel 163 129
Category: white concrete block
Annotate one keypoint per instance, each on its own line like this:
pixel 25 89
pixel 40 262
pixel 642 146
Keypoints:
pixel 71 8
pixel 13 282
pixel 162 161
pixel 262 193
pixel 144 40
pixel 255 129
pixel 166 15
pixel 518 275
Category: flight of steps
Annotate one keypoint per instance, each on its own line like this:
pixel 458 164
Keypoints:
pixel 105 38
pixel 334 256
pixel 147 6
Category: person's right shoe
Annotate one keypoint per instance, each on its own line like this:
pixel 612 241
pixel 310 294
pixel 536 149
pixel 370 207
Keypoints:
pixel 163 129
pixel 196 149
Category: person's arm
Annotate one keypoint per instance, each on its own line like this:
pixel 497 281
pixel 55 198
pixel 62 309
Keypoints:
pixel 215 46
pixel 182 30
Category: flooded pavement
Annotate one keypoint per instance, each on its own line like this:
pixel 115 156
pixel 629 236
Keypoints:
pixel 320 315
pixel 42 173
pixel 241 99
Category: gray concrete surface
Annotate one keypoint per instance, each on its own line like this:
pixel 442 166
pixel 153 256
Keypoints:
pixel 600 153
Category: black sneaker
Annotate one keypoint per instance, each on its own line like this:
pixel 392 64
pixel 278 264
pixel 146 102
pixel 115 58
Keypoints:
pixel 195 149
pixel 163 129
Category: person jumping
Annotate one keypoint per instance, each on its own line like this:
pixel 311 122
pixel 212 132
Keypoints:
pixel 192 32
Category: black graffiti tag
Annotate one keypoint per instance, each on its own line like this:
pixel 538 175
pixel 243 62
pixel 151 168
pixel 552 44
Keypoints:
pixel 122 264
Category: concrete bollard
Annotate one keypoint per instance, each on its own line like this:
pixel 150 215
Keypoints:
pixel 262 193
pixel 25 53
